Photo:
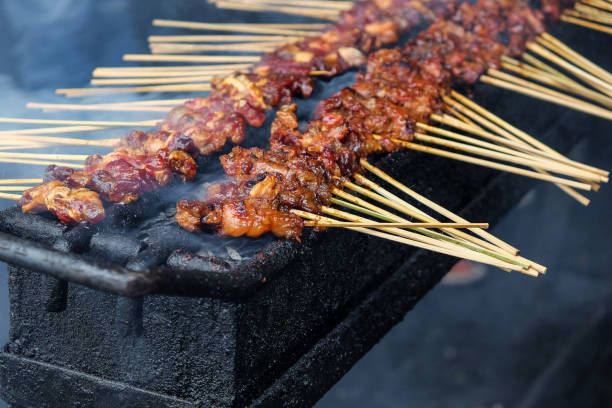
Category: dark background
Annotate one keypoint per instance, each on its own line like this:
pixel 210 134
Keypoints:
pixel 503 341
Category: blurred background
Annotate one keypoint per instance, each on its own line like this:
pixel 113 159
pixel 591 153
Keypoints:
pixel 490 340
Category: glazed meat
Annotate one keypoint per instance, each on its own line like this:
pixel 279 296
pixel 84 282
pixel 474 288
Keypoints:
pixel 70 205
pixel 399 88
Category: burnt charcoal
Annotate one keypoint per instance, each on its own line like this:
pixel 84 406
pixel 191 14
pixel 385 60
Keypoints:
pixel 160 242
pixel 75 239
pixel 117 247
pixel 130 215
pixel 55 292
pixel 38 228
pixel 210 275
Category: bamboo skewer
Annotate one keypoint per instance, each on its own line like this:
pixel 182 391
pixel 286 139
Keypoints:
pixel 581 61
pixel 339 224
pixel 589 16
pixel 125 71
pixel 503 80
pixel 190 58
pixel 427 237
pixel 70 141
pixel 585 76
pixel 169 49
pixel 499 245
pixel 78 122
pixel 151 102
pixel 178 48
pixel 41 162
pixel 513 134
pixel 14 188
pixel 606 21
pixel 165 74
pixel 586 23
pixel 510 255
pixel 221 38
pixel 318 4
pixel 408 209
pixel 20 181
pixel 504 141
pixel 438 208
pixel 27 146
pixel 320 14
pixel 52 130
pixel 542 66
pixel 242 28
pixel 599 4
pixel 510 132
pixel 187 87
pixel 521 135
pixel 152 81
pixel 415 243
pixel 560 84
pixel 514 159
pixel 71 157
pixel 593 11
pixel 492 165
pixel 49 107
pixel 6 196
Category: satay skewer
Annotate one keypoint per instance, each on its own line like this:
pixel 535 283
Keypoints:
pixel 71 157
pixel 318 4
pixel 190 58
pixel 421 245
pixel 79 122
pixel 42 162
pixel 221 38
pixel 504 80
pixel 504 129
pixel 166 69
pixel 152 81
pixel 599 4
pixel 559 83
pixel 425 236
pixel 409 225
pixel 518 133
pixel 187 87
pixel 66 140
pixel 21 181
pixel 242 28
pixel 531 162
pixel 14 188
pixel 578 59
pixel 459 238
pixel 325 14
pixel 586 23
pixel 607 21
pixel 449 121
pixel 493 165
pixel 179 48
pixel 53 107
pixel 8 196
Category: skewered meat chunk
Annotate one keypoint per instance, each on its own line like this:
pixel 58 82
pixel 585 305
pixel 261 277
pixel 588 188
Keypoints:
pixel 253 215
pixel 399 88
pixel 70 205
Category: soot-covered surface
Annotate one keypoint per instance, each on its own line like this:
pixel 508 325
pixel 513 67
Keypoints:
pixel 456 186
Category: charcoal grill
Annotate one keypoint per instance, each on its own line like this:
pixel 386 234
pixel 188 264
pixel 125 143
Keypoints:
pixel 137 312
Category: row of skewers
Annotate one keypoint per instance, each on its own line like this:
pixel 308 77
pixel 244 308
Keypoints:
pixel 504 143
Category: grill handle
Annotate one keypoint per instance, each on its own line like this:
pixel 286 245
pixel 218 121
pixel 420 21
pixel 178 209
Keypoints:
pixel 75 268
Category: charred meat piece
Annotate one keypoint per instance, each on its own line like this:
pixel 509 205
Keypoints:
pixel 70 205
